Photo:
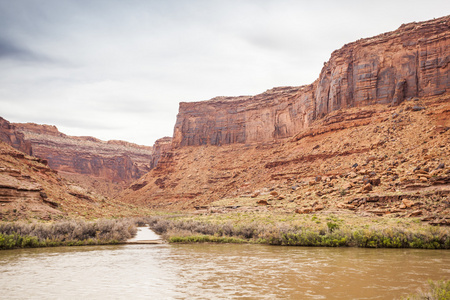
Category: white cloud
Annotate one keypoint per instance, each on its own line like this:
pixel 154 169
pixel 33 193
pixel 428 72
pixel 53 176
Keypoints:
pixel 118 69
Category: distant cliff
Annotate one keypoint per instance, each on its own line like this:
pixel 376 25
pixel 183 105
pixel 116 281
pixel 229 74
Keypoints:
pixel 117 161
pixel 12 137
pixel 160 147
pixel 411 61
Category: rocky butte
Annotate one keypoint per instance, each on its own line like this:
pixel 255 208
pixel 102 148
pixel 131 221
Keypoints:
pixel 374 124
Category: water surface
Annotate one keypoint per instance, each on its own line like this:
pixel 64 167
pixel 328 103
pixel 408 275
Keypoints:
pixel 209 271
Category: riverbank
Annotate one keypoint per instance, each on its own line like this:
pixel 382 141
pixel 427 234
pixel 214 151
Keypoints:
pixel 321 230
pixel 437 290
pixel 318 230
pixel 66 233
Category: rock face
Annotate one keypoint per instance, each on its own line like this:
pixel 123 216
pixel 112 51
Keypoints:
pixel 30 189
pixel 11 136
pixel 161 146
pixel 377 116
pixel 117 161
pixel 412 61
pixel 277 113
pixel 366 159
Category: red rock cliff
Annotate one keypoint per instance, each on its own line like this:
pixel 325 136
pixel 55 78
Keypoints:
pixel 277 113
pixel 411 61
pixel 161 146
pixel 10 136
pixel 117 161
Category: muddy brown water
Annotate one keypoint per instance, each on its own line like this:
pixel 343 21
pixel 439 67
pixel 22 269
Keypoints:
pixel 212 271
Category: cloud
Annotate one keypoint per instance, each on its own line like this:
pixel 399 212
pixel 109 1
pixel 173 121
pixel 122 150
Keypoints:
pixel 118 69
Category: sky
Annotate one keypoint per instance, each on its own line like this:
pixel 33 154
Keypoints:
pixel 117 69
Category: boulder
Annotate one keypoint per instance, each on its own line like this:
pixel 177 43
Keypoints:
pixel 415 213
pixel 367 187
pixel 407 203
pixel 319 207
pixel 304 210
pixel 375 181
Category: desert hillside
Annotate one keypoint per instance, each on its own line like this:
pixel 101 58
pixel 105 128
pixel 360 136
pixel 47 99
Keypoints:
pixel 31 189
pixel 369 135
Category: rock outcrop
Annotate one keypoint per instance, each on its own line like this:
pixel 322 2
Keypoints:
pixel 277 113
pixel 102 167
pixel 365 159
pixel 374 124
pixel 11 136
pixel 30 189
pixel 117 161
pixel 412 61
pixel 160 147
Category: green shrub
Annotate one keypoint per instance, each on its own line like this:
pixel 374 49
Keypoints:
pixel 437 290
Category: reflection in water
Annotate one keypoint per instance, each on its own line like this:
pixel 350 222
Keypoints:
pixel 216 272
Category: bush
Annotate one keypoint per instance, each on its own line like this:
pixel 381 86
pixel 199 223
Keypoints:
pixel 333 235
pixel 65 233
pixel 439 290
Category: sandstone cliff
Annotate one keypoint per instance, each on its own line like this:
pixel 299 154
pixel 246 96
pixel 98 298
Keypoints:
pixel 103 167
pixel 160 148
pixel 277 113
pixel 29 189
pixel 369 159
pixel 117 161
pixel 412 61
pixel 11 136
pixel 370 133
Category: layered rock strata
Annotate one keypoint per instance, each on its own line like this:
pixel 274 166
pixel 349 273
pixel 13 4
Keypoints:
pixel 117 161
pixel 11 136
pixel 364 159
pixel 412 61
pixel 371 131
pixel 275 114
pixel 30 189
pixel 160 147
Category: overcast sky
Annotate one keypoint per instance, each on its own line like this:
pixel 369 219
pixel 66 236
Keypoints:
pixel 117 69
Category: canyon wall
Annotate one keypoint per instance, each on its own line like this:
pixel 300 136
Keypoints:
pixel 411 61
pixel 117 161
pixel 274 114
pixel 160 147
pixel 11 136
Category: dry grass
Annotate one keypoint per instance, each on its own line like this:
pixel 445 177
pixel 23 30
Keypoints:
pixel 65 233
pixel 304 230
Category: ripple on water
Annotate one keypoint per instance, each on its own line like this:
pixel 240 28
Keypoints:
pixel 216 272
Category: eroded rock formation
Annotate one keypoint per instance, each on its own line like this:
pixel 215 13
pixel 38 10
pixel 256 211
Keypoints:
pixel 30 189
pixel 11 136
pixel 375 122
pixel 411 61
pixel 366 159
pixel 277 113
pixel 161 146
pixel 117 161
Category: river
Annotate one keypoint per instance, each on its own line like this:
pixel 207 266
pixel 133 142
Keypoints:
pixel 213 271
